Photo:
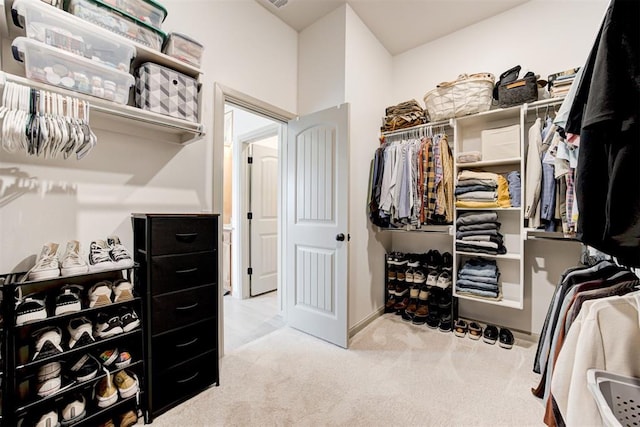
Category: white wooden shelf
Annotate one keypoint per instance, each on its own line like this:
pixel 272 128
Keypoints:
pixel 489 209
pixel 499 256
pixel 503 302
pixel 485 163
pixel 444 229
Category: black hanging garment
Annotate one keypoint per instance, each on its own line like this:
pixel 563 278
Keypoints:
pixel 605 115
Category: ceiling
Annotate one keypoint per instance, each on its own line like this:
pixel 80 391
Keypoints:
pixel 399 25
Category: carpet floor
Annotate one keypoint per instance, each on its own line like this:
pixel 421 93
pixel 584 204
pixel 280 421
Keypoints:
pixel 394 373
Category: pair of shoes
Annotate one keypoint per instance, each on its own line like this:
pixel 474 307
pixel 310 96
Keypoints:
pixel 84 368
pixel 80 332
pixel 122 383
pixel 114 359
pixel 475 331
pixel 422 309
pixel 108 255
pixel 108 325
pixel 74 409
pixel 105 292
pixel 433 260
pixel 410 311
pixel 49 379
pixel 490 334
pixel 127 419
pixel 46 342
pixel 49 266
pixel 460 328
pixel 504 336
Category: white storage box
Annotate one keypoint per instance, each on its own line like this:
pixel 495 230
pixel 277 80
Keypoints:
pixel 501 143
pixel 165 91
pixel 147 11
pixel 60 68
pixel 183 48
pixel 57 28
pixel 100 13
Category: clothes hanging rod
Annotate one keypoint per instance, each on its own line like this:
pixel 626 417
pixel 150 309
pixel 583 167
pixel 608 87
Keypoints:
pixel 447 122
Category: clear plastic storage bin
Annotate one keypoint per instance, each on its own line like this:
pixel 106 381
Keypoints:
pixel 57 28
pixel 147 11
pixel 617 397
pixel 183 48
pixel 60 68
pixel 100 13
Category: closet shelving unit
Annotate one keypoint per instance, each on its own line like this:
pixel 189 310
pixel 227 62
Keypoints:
pixel 109 115
pixel 19 382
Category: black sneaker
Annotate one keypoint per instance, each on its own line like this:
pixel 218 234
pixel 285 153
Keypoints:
pixel 68 301
pixel 446 323
pixel 129 319
pixel 490 334
pixel 30 309
pixel 433 320
pixel 506 338
pixel 434 260
pixel 47 342
pixel 107 326
pixel 85 368
pixel 119 254
pixel 447 262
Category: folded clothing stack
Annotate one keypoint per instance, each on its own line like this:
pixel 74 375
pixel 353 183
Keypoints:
pixel 479 232
pixel 404 115
pixel 482 190
pixel 479 277
pixel 560 83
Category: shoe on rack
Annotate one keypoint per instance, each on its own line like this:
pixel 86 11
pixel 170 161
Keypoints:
pixel 401 306
pixel 48 264
pixel 446 323
pixel 49 386
pixel 119 254
pixel 388 306
pixel 433 260
pixel 410 311
pixel 109 357
pixel 106 392
pixel 72 263
pixel 108 423
pixel 433 320
pixel 475 331
pixel 48 371
pixel 490 334
pixel 506 338
pixel 447 262
pixel 127 383
pixel 460 328
pixel 80 332
pixel 69 300
pixel 85 368
pixel 422 310
pixel 100 257
pixel 100 294
pixel 47 342
pixel 30 309
pixel 444 280
pixel 74 409
pixel 128 419
pixel 107 325
pixel 122 290
pixel 432 278
pixel 129 319
pixel 48 419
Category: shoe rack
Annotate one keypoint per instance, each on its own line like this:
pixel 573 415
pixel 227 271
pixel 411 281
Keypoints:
pixel 22 404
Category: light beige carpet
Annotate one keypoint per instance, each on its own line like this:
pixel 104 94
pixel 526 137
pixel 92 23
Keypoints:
pixel 394 373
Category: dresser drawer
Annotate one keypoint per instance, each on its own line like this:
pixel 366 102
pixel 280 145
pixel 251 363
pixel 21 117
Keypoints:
pixel 184 381
pixel 176 272
pixel 183 234
pixel 177 309
pixel 175 347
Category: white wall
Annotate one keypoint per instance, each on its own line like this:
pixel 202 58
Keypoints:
pixel 321 63
pixel 367 90
pixel 545 37
pixel 246 48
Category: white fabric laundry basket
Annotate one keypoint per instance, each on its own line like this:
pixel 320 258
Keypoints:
pixel 467 95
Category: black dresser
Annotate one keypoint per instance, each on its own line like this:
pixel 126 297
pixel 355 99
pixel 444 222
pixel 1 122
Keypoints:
pixel 178 277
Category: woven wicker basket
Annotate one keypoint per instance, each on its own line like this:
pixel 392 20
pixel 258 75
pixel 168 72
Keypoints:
pixel 467 95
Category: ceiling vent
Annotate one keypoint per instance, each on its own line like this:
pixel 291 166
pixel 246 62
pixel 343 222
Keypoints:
pixel 279 3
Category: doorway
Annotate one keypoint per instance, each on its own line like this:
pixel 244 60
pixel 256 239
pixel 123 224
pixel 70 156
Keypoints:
pixel 250 226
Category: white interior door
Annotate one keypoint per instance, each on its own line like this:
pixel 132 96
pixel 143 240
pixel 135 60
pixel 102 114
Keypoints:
pixel 264 222
pixel 317 218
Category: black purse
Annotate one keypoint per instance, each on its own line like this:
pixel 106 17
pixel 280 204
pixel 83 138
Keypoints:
pixel 507 77
pixel 518 91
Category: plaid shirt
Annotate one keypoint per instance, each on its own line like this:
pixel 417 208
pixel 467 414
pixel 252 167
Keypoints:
pixel 429 202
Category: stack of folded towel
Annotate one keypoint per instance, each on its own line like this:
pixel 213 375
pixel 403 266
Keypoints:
pixel 479 277
pixel 479 232
pixel 404 115
pixel 481 190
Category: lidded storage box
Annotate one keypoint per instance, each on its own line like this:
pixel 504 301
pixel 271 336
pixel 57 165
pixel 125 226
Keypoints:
pixel 501 143
pixel 60 68
pixel 100 13
pixel 56 28
pixel 183 48
pixel 147 11
pixel 165 91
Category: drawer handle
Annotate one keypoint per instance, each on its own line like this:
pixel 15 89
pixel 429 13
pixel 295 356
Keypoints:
pixel 186 380
pixel 190 270
pixel 186 237
pixel 187 344
pixel 189 307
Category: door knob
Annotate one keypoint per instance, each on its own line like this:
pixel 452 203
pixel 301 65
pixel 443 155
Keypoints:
pixel 340 237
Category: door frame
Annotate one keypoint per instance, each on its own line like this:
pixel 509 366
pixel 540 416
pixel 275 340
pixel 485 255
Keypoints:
pixel 241 237
pixel 222 95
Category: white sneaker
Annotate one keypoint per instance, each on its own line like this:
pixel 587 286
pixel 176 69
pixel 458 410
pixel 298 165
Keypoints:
pixel 119 254
pixel 80 332
pixel 30 309
pixel 100 294
pixel 72 262
pixel 122 290
pixel 47 266
pixel 74 409
pixel 99 257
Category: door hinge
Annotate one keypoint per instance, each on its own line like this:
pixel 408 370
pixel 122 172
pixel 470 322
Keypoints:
pixel 250 159
pixel 249 271
pixel 249 215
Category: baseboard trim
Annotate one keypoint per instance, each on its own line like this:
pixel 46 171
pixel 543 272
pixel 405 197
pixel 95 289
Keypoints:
pixel 364 322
